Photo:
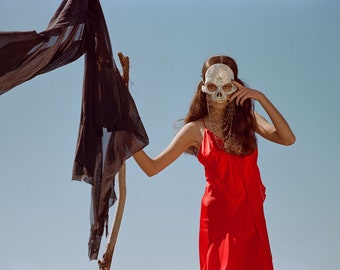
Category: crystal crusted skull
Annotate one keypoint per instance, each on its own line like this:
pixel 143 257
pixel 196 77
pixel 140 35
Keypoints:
pixel 217 77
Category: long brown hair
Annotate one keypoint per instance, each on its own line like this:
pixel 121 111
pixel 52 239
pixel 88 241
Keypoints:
pixel 244 124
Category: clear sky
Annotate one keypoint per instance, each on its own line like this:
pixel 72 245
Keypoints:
pixel 290 50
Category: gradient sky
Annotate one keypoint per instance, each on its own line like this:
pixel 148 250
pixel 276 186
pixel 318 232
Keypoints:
pixel 290 50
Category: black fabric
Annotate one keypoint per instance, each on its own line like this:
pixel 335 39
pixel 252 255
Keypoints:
pixel 110 128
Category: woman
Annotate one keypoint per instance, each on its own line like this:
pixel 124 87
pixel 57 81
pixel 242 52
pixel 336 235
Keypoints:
pixel 220 130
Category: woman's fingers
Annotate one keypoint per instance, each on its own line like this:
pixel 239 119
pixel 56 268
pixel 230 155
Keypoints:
pixel 240 96
pixel 243 93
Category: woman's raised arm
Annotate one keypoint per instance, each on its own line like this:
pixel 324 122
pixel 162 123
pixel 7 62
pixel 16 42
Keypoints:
pixel 279 131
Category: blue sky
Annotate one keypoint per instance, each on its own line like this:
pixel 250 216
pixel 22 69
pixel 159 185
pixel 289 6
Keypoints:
pixel 287 49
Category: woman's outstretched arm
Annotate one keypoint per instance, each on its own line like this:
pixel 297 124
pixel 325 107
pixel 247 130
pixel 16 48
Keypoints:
pixel 188 136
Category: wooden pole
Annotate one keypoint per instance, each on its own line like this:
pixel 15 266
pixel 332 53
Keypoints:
pixel 105 262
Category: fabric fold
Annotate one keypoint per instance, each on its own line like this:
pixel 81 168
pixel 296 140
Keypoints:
pixel 110 129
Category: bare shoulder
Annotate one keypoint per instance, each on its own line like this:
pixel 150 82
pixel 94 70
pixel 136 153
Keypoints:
pixel 195 127
pixel 195 131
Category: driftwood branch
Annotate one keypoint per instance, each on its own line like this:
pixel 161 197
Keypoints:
pixel 105 262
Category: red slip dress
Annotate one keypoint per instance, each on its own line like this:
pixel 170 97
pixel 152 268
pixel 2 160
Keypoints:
pixel 233 233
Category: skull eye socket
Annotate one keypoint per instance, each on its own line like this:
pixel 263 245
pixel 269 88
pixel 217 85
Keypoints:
pixel 227 87
pixel 211 87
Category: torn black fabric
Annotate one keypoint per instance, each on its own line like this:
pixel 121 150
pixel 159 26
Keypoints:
pixel 110 129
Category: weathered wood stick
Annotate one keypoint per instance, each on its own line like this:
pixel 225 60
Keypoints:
pixel 105 262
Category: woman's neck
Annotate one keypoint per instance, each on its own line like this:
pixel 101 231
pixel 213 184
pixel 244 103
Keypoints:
pixel 216 115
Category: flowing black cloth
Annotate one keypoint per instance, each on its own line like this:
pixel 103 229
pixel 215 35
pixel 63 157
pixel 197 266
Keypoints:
pixel 110 129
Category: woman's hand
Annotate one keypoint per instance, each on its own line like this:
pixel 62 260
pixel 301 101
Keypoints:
pixel 244 93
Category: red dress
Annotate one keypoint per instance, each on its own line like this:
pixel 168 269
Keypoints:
pixel 233 233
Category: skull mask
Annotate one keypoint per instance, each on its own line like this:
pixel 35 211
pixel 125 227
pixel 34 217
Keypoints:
pixel 218 76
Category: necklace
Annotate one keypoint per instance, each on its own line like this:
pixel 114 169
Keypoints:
pixel 228 142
